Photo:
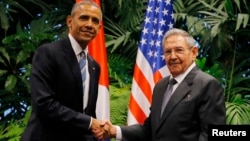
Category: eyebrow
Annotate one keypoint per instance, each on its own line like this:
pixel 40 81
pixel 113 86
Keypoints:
pixel 175 47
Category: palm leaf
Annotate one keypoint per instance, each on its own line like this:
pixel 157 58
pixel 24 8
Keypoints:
pixel 237 113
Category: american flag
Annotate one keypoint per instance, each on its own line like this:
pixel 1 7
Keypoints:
pixel 150 65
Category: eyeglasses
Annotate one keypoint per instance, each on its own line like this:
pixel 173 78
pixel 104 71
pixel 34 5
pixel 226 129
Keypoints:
pixel 177 50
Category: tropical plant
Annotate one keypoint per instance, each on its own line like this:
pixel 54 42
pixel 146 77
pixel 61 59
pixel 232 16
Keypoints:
pixel 14 11
pixel 17 47
pixel 122 33
pixel 220 26
pixel 119 98
pixel 15 59
pixel 237 93
pixel 228 27
pixel 214 70
pixel 223 30
pixel 12 131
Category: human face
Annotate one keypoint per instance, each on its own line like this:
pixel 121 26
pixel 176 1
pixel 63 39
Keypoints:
pixel 84 23
pixel 178 55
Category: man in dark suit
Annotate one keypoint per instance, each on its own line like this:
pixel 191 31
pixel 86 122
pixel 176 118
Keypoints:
pixel 197 98
pixel 63 105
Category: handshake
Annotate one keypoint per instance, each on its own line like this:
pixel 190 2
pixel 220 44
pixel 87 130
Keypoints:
pixel 103 129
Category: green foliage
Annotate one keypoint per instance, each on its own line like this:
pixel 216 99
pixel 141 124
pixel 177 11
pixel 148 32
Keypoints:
pixel 119 98
pixel 16 54
pixel 238 111
pixel 222 29
pixel 214 70
pixel 8 9
pixel 4 18
pixel 120 70
pixel 12 130
pixel 120 41
pixel 122 30
pixel 220 26
pixel 237 102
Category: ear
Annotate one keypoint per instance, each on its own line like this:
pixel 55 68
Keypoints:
pixel 195 52
pixel 69 21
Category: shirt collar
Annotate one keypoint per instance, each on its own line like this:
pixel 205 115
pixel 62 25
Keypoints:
pixel 180 77
pixel 75 45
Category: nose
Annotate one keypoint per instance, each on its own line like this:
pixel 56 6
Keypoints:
pixel 173 54
pixel 89 23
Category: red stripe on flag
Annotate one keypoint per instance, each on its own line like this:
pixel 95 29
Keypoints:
pixel 142 81
pixel 157 76
pixel 136 110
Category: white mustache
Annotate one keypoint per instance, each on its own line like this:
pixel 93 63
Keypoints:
pixel 173 62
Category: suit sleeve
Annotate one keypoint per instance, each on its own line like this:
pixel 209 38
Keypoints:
pixel 137 132
pixel 44 100
pixel 212 106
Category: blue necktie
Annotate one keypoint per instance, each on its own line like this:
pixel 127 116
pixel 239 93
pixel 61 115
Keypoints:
pixel 168 94
pixel 82 63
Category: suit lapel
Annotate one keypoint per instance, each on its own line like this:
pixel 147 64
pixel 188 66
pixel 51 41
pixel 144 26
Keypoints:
pixel 92 73
pixel 91 67
pixel 177 96
pixel 71 61
pixel 181 91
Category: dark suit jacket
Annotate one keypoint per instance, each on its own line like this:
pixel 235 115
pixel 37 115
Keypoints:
pixel 197 102
pixel 57 95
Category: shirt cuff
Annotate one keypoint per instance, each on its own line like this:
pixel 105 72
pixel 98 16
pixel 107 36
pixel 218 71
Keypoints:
pixel 90 123
pixel 118 133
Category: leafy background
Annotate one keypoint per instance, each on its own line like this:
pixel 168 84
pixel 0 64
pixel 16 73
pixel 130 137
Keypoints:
pixel 220 26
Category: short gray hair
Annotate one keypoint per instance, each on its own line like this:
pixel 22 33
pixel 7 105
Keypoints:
pixel 175 31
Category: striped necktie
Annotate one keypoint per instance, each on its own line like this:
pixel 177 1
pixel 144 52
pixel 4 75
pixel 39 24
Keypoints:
pixel 82 63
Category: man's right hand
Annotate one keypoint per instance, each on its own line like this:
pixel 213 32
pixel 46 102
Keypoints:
pixel 111 128
pixel 100 130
